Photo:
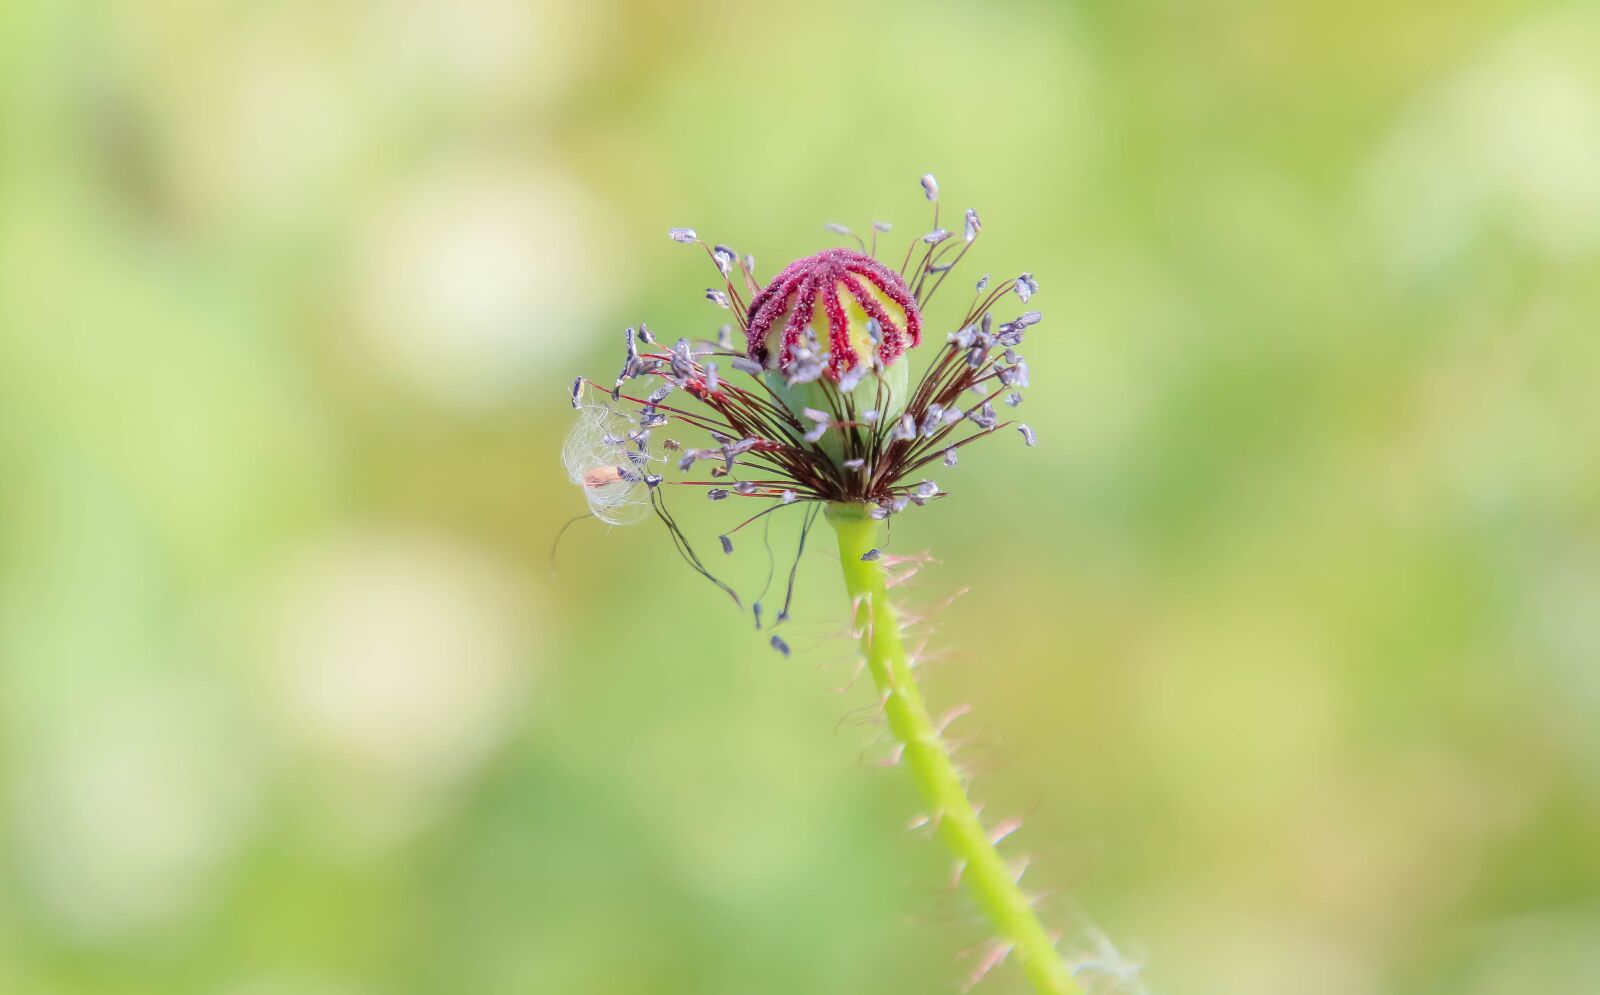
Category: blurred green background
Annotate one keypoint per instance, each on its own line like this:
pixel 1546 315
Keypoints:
pixel 1286 639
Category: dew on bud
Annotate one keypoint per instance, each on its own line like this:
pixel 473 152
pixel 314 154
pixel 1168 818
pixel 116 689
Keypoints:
pixel 683 236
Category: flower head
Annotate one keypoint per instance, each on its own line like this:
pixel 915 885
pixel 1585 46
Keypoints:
pixel 818 407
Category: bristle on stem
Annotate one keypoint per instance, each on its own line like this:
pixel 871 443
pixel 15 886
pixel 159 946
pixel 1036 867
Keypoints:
pixel 987 876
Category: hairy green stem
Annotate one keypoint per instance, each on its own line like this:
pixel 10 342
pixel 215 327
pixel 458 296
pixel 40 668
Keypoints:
pixel 926 756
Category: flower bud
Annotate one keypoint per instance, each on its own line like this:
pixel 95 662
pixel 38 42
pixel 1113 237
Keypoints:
pixel 836 296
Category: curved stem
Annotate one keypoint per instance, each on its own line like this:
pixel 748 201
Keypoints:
pixel 926 756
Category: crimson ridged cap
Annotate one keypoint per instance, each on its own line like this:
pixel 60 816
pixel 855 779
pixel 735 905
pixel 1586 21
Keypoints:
pixel 835 292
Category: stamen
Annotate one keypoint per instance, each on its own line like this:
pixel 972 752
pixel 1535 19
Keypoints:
pixel 659 504
pixel 805 530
